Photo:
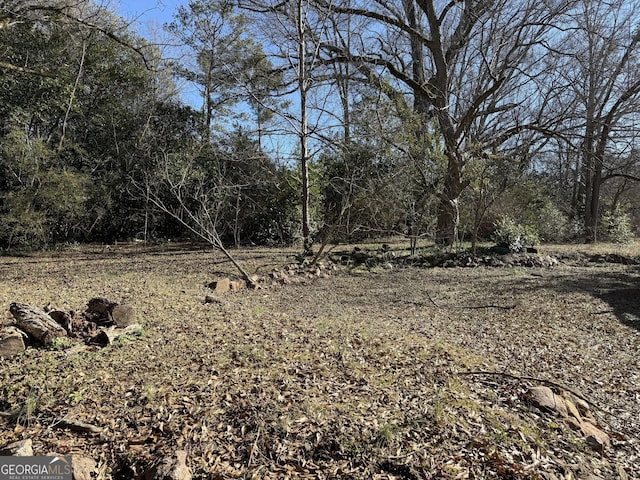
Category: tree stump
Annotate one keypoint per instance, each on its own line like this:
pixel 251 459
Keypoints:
pixel 36 323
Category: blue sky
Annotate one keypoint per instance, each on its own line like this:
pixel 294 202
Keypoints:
pixel 147 18
pixel 148 15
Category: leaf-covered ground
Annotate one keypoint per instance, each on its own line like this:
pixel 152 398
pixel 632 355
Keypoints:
pixel 400 373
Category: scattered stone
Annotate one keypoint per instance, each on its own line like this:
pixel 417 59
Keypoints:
pixel 170 468
pixel 596 438
pixel 221 286
pixel 236 285
pixel 23 448
pixel 544 398
pixel 614 258
pixel 583 407
pixel 11 342
pixel 84 468
pixel 572 409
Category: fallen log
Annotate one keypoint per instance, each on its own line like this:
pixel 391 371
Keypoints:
pixel 36 323
pixel 11 342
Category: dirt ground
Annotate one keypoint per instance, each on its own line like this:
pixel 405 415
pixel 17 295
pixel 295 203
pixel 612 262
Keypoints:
pixel 393 371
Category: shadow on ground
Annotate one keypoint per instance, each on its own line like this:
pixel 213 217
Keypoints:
pixel 620 290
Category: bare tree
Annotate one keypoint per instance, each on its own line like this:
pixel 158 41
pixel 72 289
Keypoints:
pixel 603 75
pixel 467 64
pixel 194 195
pixel 298 28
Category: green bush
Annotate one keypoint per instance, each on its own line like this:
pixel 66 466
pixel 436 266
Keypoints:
pixel 514 236
pixel 552 224
pixel 616 226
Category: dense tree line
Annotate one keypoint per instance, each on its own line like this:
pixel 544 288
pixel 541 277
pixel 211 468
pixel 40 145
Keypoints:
pixel 319 121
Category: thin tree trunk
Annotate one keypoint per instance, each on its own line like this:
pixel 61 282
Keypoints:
pixel 303 88
pixel 72 96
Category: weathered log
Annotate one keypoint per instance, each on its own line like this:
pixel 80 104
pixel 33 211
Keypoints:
pixel 77 426
pixel 123 315
pixel 105 312
pixel 63 319
pixel 11 342
pixel 36 323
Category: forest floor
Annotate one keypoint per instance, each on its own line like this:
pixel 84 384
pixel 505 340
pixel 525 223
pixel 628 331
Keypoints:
pixel 395 371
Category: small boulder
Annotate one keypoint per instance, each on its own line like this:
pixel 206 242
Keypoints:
pixel 170 468
pixel 221 286
pixel 23 448
pixel 544 398
pixel 84 468
pixel 596 438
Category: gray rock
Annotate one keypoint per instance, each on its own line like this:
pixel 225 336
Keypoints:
pixel 544 398
pixel 171 467
pixel 84 468
pixel 23 448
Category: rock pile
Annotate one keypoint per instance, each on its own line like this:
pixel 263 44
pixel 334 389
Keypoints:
pixel 510 260
pixel 576 413
pixel 293 273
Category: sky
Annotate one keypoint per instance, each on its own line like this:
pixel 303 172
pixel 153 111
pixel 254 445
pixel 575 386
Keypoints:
pixel 147 18
pixel 148 15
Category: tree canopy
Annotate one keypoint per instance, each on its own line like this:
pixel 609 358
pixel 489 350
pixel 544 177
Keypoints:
pixel 319 121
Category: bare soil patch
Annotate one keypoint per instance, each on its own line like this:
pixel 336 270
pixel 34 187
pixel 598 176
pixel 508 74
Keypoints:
pixel 403 372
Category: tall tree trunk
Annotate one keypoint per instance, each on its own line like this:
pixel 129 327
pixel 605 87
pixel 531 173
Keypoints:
pixel 303 87
pixel 586 186
pixel 448 212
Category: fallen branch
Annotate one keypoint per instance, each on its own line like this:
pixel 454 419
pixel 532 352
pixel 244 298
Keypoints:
pixel 534 379
pixel 77 426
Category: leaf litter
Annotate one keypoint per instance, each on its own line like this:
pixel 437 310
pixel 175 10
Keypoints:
pixel 351 376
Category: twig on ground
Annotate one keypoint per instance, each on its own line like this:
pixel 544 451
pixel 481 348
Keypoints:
pixel 255 445
pixel 431 299
pixel 534 379
pixel 77 426
pixel 406 455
